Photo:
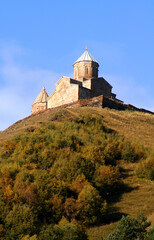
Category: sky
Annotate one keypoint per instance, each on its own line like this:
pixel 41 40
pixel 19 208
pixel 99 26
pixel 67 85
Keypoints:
pixel 41 39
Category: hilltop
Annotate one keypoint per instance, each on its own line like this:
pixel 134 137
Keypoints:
pixel 134 125
pixel 79 163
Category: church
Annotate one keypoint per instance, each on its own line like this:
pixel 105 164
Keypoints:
pixel 86 87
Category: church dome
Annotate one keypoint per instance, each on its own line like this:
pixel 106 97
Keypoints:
pixel 85 67
pixel 86 56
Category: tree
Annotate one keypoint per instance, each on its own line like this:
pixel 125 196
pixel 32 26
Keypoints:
pixel 63 231
pixel 90 205
pixel 72 230
pixel 20 221
pixel 130 228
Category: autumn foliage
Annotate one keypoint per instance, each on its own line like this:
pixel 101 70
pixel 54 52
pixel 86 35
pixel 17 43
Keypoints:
pixel 59 177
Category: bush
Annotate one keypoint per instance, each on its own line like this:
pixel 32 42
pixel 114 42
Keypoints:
pixel 72 230
pixel 90 206
pixel 145 169
pixel 150 234
pixel 130 152
pixel 63 231
pixel 107 180
pixel 19 221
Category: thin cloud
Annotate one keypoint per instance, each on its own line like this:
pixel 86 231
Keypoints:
pixel 19 86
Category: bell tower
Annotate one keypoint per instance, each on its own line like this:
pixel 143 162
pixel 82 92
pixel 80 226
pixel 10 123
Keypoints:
pixel 85 67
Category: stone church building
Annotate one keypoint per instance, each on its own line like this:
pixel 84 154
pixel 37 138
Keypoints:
pixel 85 87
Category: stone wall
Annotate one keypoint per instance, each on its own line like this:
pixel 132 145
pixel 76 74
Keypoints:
pixel 86 83
pixel 38 107
pixel 100 86
pixel 84 93
pixel 85 69
pixel 113 104
pixel 92 102
pixel 65 93
pixel 70 90
pixel 102 102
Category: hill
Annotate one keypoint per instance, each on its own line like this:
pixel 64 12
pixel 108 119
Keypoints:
pixel 79 163
pixel 137 126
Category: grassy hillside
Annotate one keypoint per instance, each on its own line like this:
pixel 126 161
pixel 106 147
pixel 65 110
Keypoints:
pixel 56 161
pixel 133 125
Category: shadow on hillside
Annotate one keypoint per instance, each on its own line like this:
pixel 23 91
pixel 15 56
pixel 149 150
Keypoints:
pixel 113 216
pixel 118 191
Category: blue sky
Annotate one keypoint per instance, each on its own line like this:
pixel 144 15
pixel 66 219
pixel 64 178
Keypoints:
pixel 41 39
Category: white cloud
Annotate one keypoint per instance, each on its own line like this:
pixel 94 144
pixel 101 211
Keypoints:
pixel 19 86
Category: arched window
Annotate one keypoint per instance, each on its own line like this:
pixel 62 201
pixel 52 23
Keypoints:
pixel 86 70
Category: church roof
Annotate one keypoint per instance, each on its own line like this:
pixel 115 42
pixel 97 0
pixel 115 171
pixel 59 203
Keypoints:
pixel 86 56
pixel 42 97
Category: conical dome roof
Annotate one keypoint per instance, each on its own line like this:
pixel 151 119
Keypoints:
pixel 86 56
pixel 42 97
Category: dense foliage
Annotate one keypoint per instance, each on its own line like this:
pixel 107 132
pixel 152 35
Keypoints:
pixel 130 228
pixel 60 170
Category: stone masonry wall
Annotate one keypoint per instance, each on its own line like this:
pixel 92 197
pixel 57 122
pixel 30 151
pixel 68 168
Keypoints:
pixel 84 93
pixel 65 93
pixel 38 107
pixel 85 69
pixel 113 104
pixel 87 83
pixel 100 86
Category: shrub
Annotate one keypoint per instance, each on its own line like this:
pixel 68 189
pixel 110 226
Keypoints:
pixel 8 148
pixel 112 151
pixel 145 169
pixel 63 231
pixel 150 234
pixel 107 180
pixel 51 233
pixel 56 208
pixel 19 221
pixel 132 152
pixel 72 230
pixel 70 208
pixel 77 165
pixel 90 206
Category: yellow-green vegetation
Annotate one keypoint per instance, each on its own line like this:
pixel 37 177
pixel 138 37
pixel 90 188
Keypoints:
pixel 137 126
pixel 70 167
pixel 145 168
